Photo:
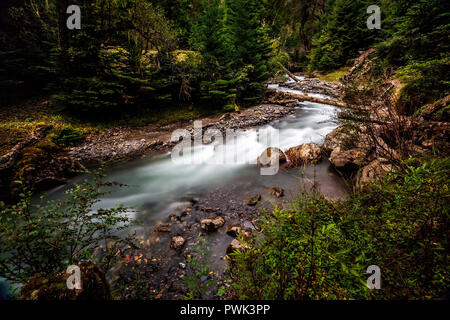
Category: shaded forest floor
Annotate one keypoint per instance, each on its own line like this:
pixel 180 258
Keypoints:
pixel 18 121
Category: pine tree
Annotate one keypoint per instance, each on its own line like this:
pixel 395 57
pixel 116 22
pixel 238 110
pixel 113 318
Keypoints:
pixel 344 34
pixel 230 37
pixel 251 47
pixel 27 51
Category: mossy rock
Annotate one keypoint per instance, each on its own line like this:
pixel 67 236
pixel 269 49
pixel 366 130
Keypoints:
pixel 437 111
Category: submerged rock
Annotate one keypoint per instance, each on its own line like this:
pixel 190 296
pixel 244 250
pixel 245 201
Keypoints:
pixel 276 192
pixel 304 154
pixel 163 228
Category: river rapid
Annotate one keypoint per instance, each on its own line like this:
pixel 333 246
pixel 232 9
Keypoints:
pixel 156 185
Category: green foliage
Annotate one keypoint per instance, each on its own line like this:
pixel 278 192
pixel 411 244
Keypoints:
pixel 303 255
pixel 345 32
pixel 418 44
pixel 26 52
pixel 320 249
pixel 67 136
pixel 235 45
pixel 427 82
pixel 197 268
pixel 47 236
pixel 416 30
pixel 293 25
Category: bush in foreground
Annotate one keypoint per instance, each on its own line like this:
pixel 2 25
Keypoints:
pixel 320 249
pixel 47 236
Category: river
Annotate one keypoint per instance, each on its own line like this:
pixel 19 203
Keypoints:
pixel 157 186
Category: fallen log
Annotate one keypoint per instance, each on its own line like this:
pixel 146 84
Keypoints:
pixel 10 159
pixel 303 97
pixel 290 74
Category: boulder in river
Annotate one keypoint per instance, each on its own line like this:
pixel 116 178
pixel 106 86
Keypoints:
pixel 347 148
pixel 211 225
pixel 338 138
pixel 349 159
pixel 304 154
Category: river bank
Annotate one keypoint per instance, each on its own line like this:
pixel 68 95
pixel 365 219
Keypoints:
pixel 177 208
pixel 28 159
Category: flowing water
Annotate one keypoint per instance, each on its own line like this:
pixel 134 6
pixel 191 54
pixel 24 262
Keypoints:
pixel 157 185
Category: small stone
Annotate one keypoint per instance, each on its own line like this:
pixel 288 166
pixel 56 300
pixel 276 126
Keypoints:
pixel 163 228
pixel 234 230
pixel 177 242
pixel 212 224
pixel 236 245
pixel 252 200
pixel 276 192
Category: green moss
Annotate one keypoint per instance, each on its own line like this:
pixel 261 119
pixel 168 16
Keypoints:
pixel 66 136
pixel 334 76
pixel 47 144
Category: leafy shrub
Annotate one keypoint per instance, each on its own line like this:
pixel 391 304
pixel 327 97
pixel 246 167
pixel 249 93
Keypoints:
pixel 320 249
pixel 47 236
pixel 197 265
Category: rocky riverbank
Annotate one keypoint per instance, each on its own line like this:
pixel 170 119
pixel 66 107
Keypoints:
pixel 43 167
pixel 331 89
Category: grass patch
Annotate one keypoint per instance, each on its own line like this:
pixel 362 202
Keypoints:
pixel 334 76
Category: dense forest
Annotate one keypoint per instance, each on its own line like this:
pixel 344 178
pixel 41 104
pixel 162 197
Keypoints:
pixel 157 64
pixel 147 53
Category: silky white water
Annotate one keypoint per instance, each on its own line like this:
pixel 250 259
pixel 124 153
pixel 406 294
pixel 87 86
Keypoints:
pixel 155 186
